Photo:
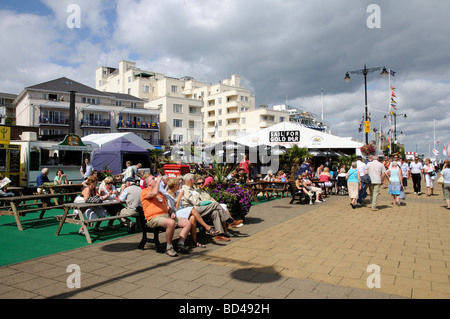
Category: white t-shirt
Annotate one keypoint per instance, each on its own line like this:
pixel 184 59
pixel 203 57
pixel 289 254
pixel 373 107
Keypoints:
pixel 415 168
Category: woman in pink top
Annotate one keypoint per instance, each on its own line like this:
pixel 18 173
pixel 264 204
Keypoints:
pixel 325 176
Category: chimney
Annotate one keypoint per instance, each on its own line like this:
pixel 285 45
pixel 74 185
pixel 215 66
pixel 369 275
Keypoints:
pixel 72 112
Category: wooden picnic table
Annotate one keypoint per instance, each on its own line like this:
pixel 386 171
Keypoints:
pixel 14 189
pixel 16 205
pixel 79 219
pixel 266 187
pixel 66 189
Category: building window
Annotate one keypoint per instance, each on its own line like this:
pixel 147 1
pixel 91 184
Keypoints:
pixel 146 88
pixel 192 110
pixel 243 120
pixel 174 89
pixel 177 123
pixel 191 124
pixel 133 104
pixel 177 138
pixel 220 112
pixel 177 108
pixel 281 119
pixel 118 103
pixel 219 100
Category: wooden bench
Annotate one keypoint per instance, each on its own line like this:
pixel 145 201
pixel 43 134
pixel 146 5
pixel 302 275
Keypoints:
pixel 267 187
pixel 78 219
pixel 297 194
pixel 13 206
pixel 145 229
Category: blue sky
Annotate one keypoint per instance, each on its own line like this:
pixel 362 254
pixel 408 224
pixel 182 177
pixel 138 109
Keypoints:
pixel 280 48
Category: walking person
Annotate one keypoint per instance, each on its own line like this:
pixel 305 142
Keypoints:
pixel 446 186
pixel 376 172
pixel 416 170
pixel 430 175
pixel 394 175
pixel 361 167
pixel 353 184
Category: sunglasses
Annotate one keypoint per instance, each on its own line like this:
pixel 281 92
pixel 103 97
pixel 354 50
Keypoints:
pixel 108 183
pixel 199 183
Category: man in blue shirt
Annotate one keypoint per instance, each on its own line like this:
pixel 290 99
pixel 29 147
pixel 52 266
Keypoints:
pixel 304 168
pixel 41 179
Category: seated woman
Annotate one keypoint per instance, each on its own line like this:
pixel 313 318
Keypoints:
pixel 310 186
pixel 108 191
pixel 173 196
pixel 325 177
pixel 91 213
pixel 60 178
pixel 301 187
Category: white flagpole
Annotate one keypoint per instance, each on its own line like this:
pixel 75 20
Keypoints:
pixel 390 113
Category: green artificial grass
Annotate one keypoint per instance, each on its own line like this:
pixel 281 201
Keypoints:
pixel 38 237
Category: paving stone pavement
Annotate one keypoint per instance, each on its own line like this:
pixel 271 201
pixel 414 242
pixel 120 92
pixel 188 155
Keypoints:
pixel 283 251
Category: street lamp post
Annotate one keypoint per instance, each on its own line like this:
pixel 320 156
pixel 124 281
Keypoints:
pixel 395 123
pixel 364 72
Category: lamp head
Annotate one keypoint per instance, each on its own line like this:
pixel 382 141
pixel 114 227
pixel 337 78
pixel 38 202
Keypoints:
pixel 347 77
pixel 384 73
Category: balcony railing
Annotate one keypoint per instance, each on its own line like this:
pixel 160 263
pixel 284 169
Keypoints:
pixel 57 120
pixel 155 141
pixel 138 125
pixel 96 123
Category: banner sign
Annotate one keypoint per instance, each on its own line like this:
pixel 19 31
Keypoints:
pixel 284 136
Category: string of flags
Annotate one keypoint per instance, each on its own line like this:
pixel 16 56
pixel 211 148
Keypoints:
pixel 445 151
pixel 393 102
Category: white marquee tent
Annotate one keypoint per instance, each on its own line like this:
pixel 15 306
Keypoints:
pixel 288 134
pixel 100 140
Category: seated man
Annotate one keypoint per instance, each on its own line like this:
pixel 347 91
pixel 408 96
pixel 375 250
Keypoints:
pixel 41 179
pixel 159 214
pixel 131 195
pixel 2 191
pixel 191 198
pixel 204 196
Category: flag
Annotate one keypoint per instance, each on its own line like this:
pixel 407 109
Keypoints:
pixel 393 88
pixel 393 94
pixel 445 151
pixel 435 152
pixel 393 73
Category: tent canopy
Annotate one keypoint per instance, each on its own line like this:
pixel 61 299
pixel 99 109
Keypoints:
pixel 115 154
pixel 101 140
pixel 289 134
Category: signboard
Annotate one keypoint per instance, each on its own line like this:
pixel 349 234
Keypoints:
pixel 5 134
pixel 284 136
pixel 72 142
pixel 366 126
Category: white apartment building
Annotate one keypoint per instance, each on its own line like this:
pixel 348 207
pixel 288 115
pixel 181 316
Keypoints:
pixel 47 106
pixel 190 110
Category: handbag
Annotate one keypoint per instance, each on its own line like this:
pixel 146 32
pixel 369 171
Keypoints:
pixel 94 200
pixel 366 179
pixel 440 180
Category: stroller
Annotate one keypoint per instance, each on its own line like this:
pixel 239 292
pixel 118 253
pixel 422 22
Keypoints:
pixel 341 186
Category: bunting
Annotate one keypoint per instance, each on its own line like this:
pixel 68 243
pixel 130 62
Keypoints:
pixel 445 151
